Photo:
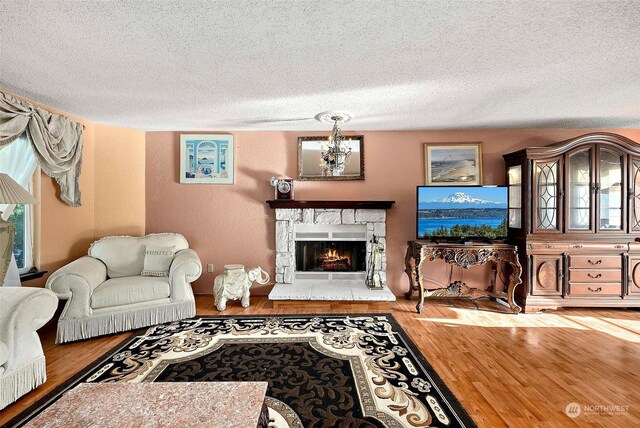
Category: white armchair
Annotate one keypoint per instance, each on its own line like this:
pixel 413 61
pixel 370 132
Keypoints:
pixel 107 294
pixel 23 310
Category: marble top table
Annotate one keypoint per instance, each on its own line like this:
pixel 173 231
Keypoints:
pixel 158 404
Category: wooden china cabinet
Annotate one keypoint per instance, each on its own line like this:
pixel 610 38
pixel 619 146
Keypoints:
pixel 574 213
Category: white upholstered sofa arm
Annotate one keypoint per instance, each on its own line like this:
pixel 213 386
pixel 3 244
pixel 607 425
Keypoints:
pixel 76 282
pixel 4 355
pixel 23 310
pixel 185 268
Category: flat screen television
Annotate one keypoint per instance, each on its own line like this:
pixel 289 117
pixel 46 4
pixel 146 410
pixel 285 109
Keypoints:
pixel 461 212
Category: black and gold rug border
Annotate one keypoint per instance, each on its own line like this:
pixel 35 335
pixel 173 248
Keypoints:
pixel 456 407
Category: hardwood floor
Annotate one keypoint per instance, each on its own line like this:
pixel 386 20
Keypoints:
pixel 506 370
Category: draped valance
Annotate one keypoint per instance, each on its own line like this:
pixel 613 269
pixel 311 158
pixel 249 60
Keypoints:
pixel 56 140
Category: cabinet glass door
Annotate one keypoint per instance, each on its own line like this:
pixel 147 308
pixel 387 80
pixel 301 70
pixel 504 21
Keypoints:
pixel 579 190
pixel 609 188
pixel 546 200
pixel 515 196
pixel 634 195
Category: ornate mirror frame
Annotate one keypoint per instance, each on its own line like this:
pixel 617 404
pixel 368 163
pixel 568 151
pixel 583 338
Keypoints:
pixel 309 149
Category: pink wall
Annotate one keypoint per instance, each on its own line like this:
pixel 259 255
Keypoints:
pixel 233 224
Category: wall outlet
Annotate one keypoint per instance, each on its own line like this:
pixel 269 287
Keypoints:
pixel 210 267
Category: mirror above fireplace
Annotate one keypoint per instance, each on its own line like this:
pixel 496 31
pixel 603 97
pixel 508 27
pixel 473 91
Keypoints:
pixel 315 158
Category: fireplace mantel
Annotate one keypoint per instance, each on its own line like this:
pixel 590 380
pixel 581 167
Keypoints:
pixel 366 205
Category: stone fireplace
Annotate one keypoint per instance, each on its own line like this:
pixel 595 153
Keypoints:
pixel 323 253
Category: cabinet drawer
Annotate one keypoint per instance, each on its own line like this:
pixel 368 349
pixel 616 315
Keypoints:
pixel 536 246
pixel 595 275
pixel 601 289
pixel 595 262
pixel 599 246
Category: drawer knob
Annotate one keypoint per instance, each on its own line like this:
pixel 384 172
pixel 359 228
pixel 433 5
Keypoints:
pixel 597 262
pixel 590 275
pixel 577 246
pixel 597 290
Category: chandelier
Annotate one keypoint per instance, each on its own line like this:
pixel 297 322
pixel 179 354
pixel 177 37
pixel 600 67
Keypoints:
pixel 335 156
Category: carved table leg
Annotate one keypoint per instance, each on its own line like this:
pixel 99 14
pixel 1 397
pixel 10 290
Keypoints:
pixel 409 271
pixel 514 281
pixel 420 280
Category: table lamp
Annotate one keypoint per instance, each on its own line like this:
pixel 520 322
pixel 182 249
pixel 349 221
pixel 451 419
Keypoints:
pixel 10 193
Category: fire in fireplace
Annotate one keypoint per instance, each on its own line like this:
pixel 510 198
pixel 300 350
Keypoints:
pixel 330 256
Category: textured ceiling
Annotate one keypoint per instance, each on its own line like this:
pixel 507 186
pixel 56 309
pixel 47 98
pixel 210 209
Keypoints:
pixel 394 65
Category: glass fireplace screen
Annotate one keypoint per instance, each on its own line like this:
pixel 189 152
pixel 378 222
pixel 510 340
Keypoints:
pixel 331 256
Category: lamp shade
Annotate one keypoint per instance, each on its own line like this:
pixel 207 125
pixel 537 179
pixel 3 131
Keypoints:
pixel 13 193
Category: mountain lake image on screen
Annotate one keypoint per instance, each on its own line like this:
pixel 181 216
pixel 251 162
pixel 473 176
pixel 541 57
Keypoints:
pixel 462 212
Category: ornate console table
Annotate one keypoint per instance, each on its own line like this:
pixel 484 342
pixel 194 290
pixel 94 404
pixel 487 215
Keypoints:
pixel 466 256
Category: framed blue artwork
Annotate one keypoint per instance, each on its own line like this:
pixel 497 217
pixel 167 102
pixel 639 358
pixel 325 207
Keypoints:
pixel 206 159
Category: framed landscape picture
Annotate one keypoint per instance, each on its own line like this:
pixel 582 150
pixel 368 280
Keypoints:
pixel 206 159
pixel 453 164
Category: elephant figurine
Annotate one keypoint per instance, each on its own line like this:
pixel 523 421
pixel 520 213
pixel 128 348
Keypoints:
pixel 235 283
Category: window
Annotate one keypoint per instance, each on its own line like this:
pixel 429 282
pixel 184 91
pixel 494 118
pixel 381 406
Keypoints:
pixel 23 243
pixel 18 161
pixel 17 217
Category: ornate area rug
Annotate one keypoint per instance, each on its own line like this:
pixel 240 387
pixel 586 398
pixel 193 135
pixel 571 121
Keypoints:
pixel 323 371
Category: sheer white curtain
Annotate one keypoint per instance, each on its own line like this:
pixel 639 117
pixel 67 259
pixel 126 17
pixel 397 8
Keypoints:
pixel 19 162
